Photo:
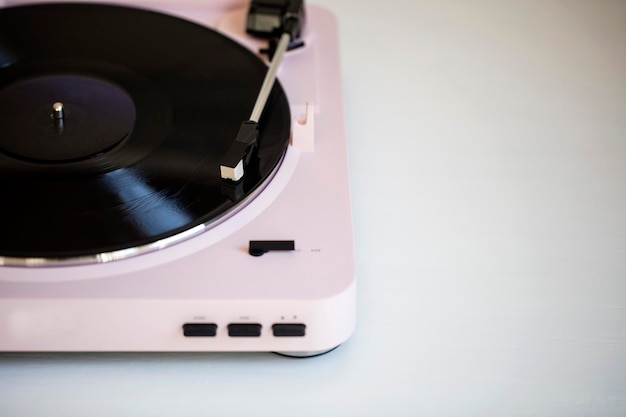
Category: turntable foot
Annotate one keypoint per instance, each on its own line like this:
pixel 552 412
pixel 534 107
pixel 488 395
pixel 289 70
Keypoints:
pixel 305 355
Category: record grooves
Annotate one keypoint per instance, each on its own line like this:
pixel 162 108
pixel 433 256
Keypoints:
pixel 151 104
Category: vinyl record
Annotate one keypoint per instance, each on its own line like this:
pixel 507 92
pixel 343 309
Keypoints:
pixel 150 105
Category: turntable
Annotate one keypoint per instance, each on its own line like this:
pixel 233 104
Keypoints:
pixel 160 191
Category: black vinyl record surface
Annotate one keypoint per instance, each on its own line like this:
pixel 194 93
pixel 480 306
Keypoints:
pixel 151 104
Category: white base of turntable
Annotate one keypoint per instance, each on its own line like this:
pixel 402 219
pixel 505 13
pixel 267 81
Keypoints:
pixel 300 302
pixel 115 325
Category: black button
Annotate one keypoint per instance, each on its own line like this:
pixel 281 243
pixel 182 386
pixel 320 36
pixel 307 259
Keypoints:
pixel 244 330
pixel 289 330
pixel 199 329
pixel 260 247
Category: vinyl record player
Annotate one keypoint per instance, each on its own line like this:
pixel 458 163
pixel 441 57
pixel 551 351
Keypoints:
pixel 123 228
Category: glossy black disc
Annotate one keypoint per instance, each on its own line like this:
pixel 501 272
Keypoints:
pixel 151 104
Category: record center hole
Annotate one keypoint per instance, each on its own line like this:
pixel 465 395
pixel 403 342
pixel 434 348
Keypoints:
pixel 58 111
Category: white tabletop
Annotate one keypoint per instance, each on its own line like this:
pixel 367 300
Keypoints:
pixel 488 159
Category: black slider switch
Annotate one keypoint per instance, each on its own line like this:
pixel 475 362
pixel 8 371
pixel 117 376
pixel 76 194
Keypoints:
pixel 200 329
pixel 244 330
pixel 289 330
pixel 260 247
